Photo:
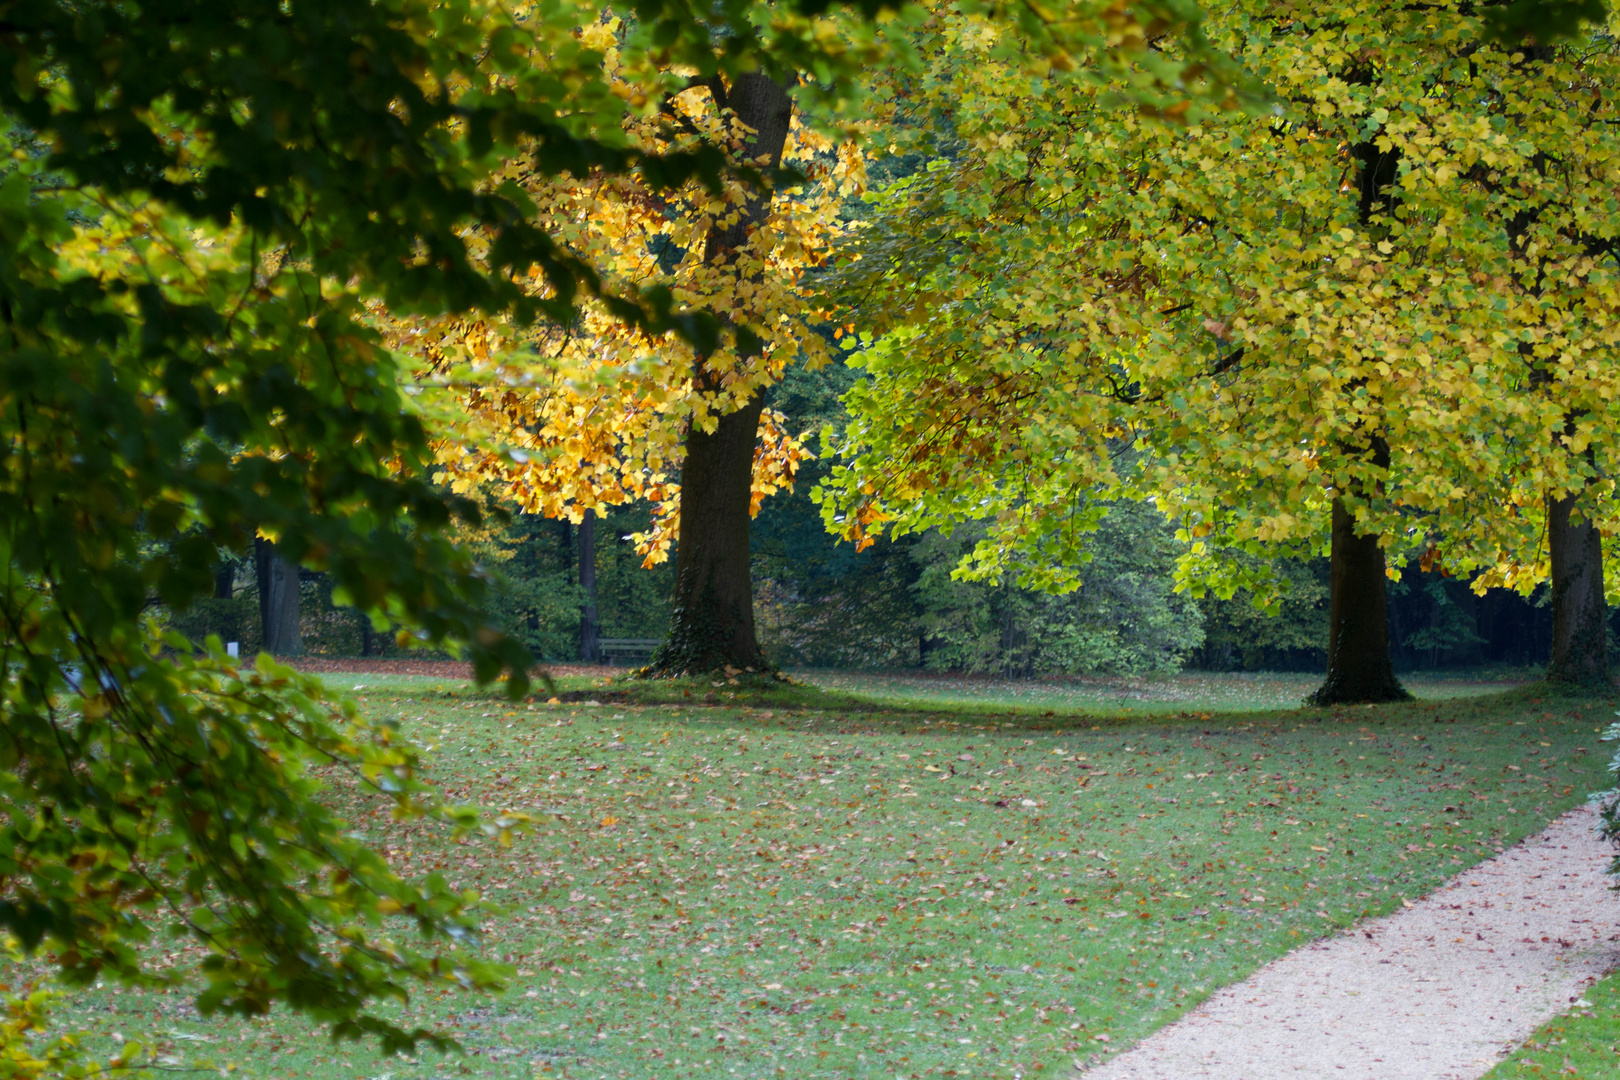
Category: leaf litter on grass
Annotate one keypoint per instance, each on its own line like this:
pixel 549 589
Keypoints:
pixel 1134 694
pixel 765 892
pixel 1583 1044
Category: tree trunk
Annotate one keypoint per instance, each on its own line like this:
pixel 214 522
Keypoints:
pixel 1580 637
pixel 278 600
pixel 224 581
pixel 589 651
pixel 712 621
pixel 1358 620
pixel 565 545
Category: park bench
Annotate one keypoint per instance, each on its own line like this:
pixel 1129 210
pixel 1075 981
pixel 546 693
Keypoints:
pixel 632 650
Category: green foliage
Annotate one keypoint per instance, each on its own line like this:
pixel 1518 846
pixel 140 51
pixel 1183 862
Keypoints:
pixel 175 804
pixel 631 600
pixel 865 617
pixel 1441 621
pixel 534 592
pixel 1543 21
pixel 1609 805
pixel 197 206
pixel 1259 299
pixel 230 619
pixel 1124 618
pixel 903 602
pixel 536 595
pixel 818 602
pixel 1239 635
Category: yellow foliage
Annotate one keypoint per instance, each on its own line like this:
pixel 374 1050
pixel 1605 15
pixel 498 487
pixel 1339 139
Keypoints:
pixel 565 419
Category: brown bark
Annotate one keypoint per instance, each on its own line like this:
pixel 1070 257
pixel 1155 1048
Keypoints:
pixel 1358 667
pixel 712 621
pixel 712 624
pixel 1358 620
pixel 278 600
pixel 1580 642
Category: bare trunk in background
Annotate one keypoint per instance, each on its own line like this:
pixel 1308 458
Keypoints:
pixel 589 629
pixel 278 600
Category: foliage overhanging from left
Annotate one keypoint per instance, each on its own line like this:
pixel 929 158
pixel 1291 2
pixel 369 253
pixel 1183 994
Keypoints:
pixel 198 203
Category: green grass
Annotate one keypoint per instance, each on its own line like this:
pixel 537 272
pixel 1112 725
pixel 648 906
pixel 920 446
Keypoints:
pixel 800 882
pixel 1583 1044
pixel 1131 695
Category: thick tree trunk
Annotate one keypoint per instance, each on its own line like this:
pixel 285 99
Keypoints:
pixel 1580 638
pixel 1358 620
pixel 278 600
pixel 589 651
pixel 712 622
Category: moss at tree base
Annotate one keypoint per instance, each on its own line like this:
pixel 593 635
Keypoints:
pixel 1339 690
pixel 701 644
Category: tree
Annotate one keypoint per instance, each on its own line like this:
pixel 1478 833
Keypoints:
pixel 592 412
pixel 1307 318
pixel 712 625
pixel 584 438
pixel 278 600
pixel 198 203
pixel 1580 633
pixel 1574 542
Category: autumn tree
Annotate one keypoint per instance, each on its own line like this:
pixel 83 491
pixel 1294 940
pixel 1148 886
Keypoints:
pixel 1303 322
pixel 569 418
pixel 198 203
pixel 597 413
pixel 1539 189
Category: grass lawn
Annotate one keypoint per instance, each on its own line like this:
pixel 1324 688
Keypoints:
pixel 1584 1044
pixel 1124 695
pixel 792 883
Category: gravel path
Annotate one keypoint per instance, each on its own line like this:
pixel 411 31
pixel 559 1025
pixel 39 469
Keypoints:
pixel 1436 991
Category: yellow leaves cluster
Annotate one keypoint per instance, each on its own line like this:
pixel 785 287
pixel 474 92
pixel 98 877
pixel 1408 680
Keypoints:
pixel 566 420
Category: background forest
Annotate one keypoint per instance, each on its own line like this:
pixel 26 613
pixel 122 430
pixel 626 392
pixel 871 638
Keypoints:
pixel 822 604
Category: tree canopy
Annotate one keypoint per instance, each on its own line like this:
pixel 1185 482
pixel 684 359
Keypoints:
pixel 198 205
pixel 222 224
pixel 1392 292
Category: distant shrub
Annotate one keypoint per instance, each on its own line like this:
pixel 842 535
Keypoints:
pixel 235 619
pixel 1126 618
